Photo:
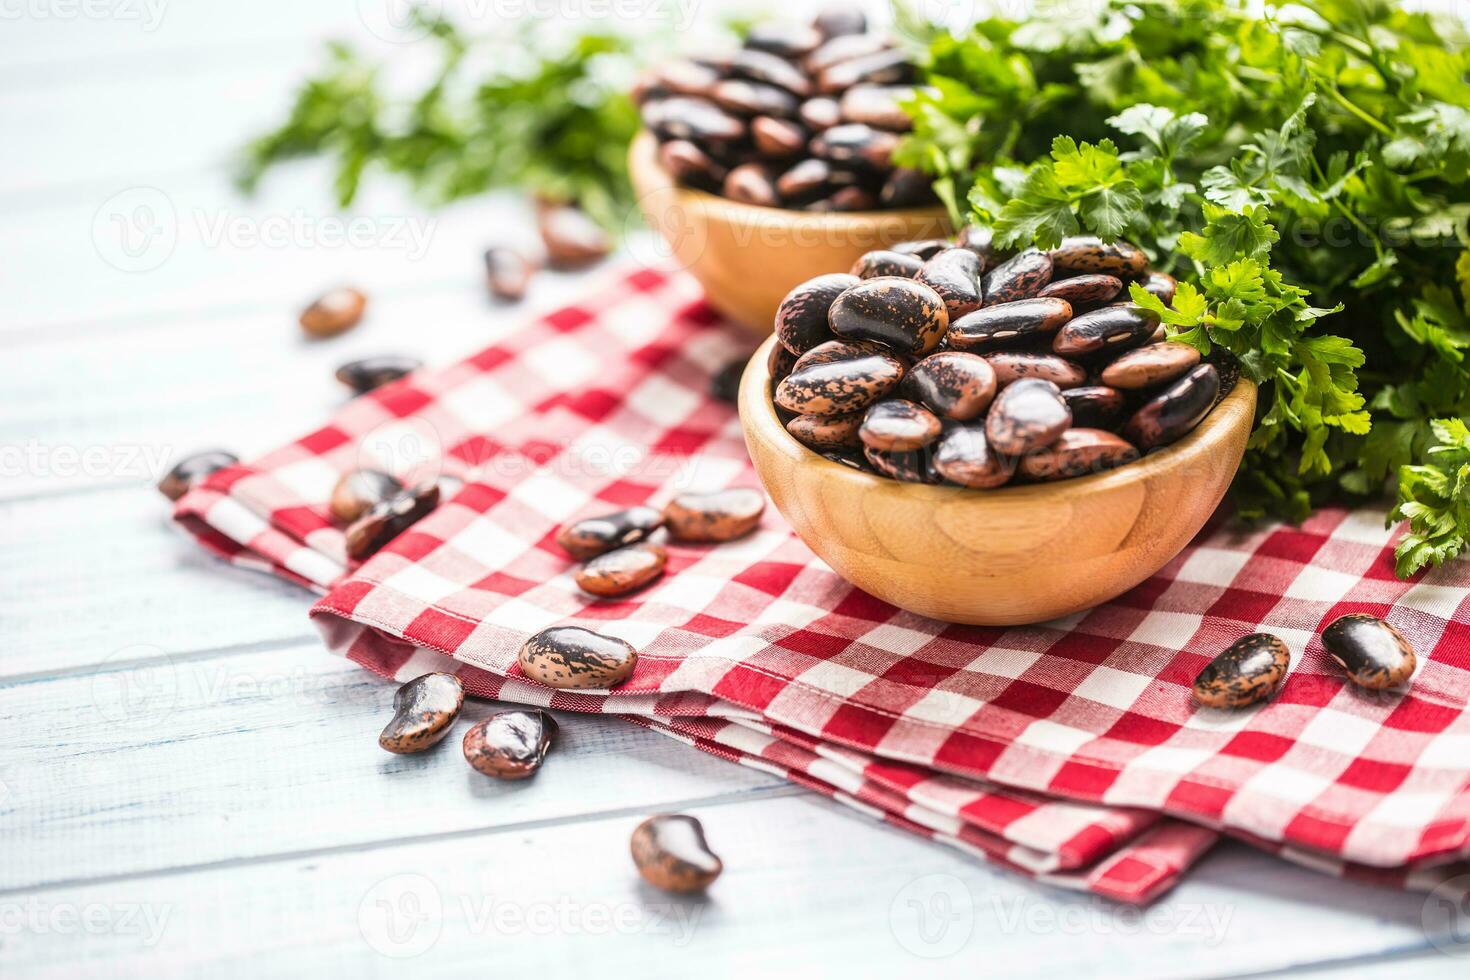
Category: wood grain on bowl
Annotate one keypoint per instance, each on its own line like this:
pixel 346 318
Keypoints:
pixel 748 257
pixel 1013 555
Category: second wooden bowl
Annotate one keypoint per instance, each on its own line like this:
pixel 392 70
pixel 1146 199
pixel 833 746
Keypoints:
pixel 748 258
pixel 1021 554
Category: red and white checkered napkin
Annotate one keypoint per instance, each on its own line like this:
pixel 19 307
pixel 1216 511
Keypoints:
pixel 756 651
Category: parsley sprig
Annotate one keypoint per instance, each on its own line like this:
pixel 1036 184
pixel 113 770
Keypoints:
pixel 527 110
pixel 1302 169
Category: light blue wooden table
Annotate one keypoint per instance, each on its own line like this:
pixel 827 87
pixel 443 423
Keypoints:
pixel 190 786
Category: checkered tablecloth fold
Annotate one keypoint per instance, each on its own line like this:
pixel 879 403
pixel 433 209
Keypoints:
pixel 606 404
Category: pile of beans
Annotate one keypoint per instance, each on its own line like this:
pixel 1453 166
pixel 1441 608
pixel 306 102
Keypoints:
pixel 804 116
pixel 939 361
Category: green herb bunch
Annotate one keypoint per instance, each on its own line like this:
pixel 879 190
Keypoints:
pixel 527 110
pixel 1307 160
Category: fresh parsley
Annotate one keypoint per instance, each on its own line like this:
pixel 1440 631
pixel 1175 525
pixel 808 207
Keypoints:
pixel 1302 168
pixel 526 110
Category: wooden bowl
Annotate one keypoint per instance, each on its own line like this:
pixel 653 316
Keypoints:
pixel 1021 554
pixel 748 258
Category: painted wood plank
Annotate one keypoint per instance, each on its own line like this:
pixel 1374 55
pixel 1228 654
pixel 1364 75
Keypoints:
pixel 118 404
pixel 186 246
pixel 149 122
pixel 808 890
pixel 178 761
pixel 105 578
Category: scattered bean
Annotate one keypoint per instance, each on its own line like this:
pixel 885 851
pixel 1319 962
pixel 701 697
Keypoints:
pixel 510 744
pixel 191 469
pixel 572 239
pixel 720 515
pixel 573 658
pixel 359 491
pixel 424 709
pixel 386 520
pixel 334 312
pixel 1373 652
pixel 725 385
pixel 593 536
pixel 365 374
pixel 671 853
pixel 508 272
pixel 1248 671
pixel 623 570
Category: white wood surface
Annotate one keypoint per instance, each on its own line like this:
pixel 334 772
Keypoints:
pixel 190 787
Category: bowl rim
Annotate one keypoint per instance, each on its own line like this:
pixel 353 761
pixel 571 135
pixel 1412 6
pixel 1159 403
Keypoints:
pixel 643 163
pixel 758 419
